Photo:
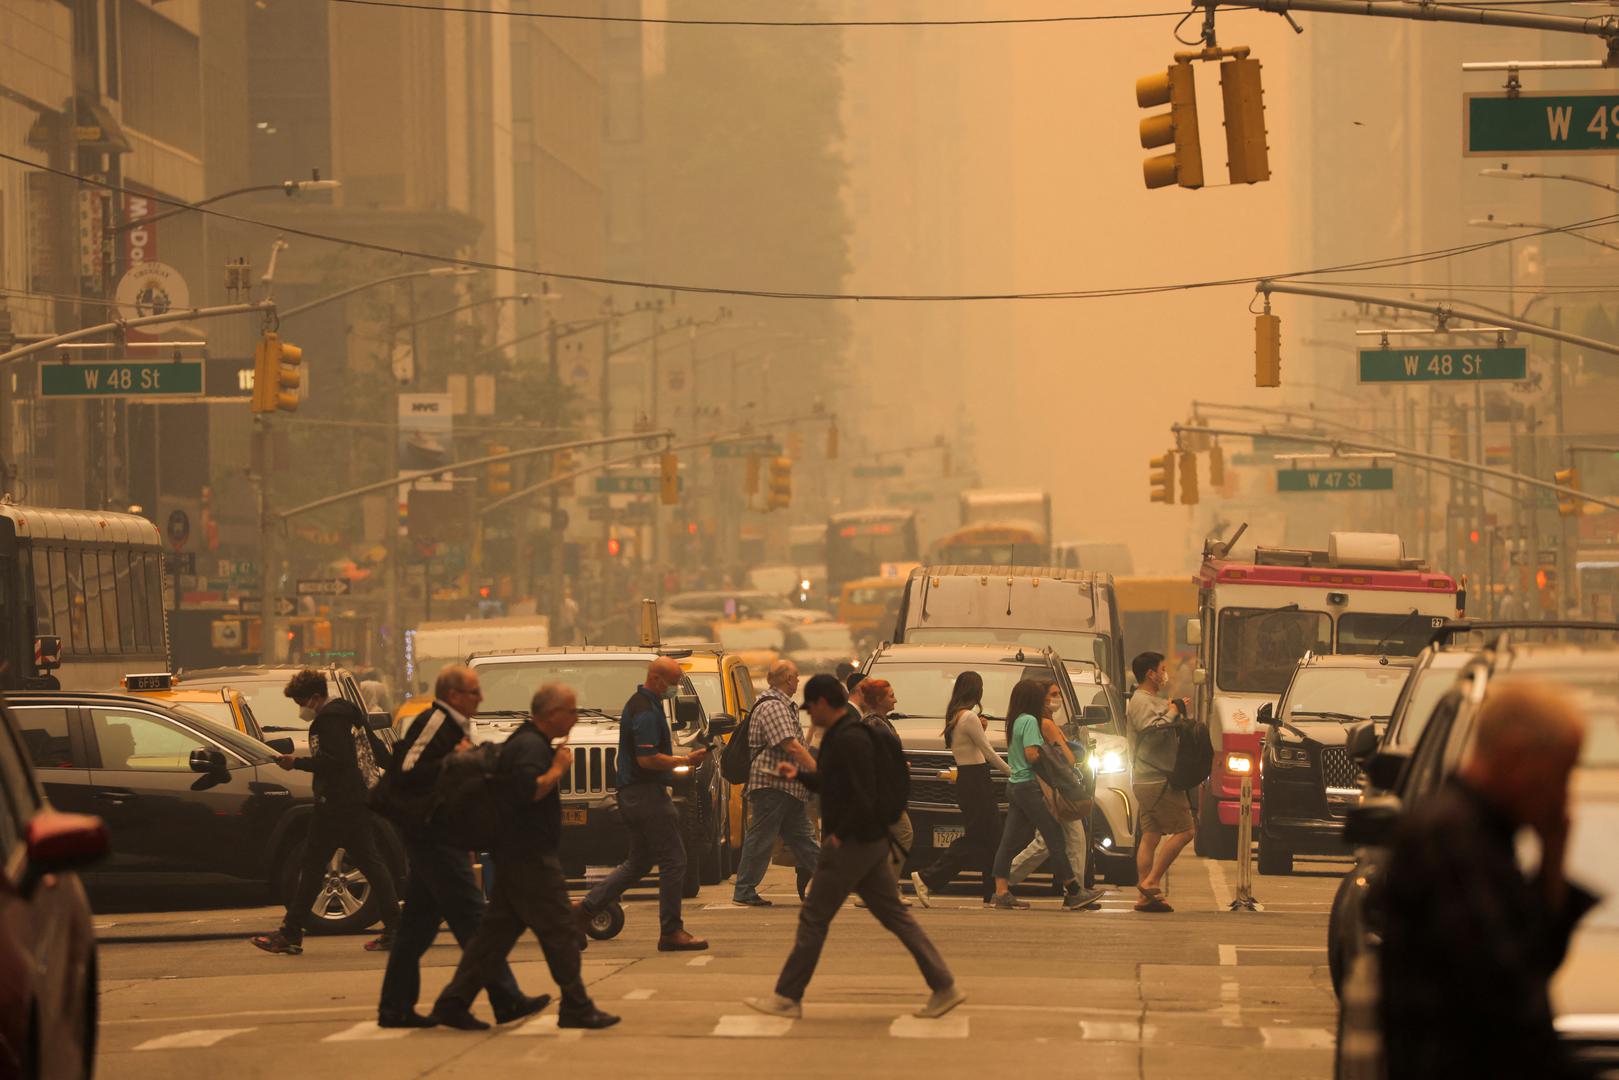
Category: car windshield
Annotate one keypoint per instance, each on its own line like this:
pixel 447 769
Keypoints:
pixel 215 712
pixel 1364 633
pixel 873 595
pixel 710 690
pixel 1260 647
pixel 1345 694
pixel 737 638
pixel 276 712
pixel 600 685
pixel 923 689
pixel 1430 686
pixel 1070 645
pixel 827 637
pixel 251 749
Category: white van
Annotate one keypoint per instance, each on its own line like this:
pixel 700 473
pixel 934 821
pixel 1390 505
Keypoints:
pixel 433 645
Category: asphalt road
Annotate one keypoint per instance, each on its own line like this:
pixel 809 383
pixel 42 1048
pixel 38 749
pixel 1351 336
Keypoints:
pixel 1203 992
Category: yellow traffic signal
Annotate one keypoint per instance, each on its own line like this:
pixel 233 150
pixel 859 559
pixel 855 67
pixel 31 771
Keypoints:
pixel 276 377
pixel 1267 350
pixel 669 479
pixel 779 494
pixel 750 481
pixel 1568 505
pixel 563 465
pixel 832 440
pixel 500 472
pixel 1188 477
pixel 1247 156
pixel 1177 89
pixel 1162 477
pixel 1216 467
pixel 1458 443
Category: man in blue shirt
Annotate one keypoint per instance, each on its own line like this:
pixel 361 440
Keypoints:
pixel 646 764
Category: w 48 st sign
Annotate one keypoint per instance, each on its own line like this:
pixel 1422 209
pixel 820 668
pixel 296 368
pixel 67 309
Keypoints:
pixel 1541 123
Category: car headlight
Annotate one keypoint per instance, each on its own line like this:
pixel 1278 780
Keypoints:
pixel 1239 763
pixel 1289 756
pixel 1108 761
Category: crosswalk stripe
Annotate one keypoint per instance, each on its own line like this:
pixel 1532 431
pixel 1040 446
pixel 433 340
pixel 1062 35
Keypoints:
pixel 952 1026
pixel 700 961
pixel 643 994
pixel 190 1040
pixel 751 1027
pixel 547 1025
pixel 1296 1038
pixel 1117 1031
pixel 367 1031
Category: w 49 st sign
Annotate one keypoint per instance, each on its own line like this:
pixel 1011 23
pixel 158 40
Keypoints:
pixel 1541 123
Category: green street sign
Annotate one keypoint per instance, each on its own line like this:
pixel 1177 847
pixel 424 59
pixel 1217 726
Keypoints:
pixel 1335 479
pixel 873 471
pixel 1443 365
pixel 766 447
pixel 130 378
pixel 1540 123
pixel 633 484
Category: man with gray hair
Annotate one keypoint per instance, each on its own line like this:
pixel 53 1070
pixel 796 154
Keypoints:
pixel 1470 943
pixel 776 806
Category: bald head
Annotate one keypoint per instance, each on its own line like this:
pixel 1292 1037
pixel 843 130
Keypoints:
pixel 661 674
pixel 1525 744
pixel 554 709
pixel 783 676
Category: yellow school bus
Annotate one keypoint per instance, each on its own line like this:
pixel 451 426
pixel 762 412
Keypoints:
pixel 1153 611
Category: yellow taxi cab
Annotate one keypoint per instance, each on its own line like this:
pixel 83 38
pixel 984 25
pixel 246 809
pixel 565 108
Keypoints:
pixel 757 643
pixel 216 704
pixel 864 600
pixel 408 710
pixel 724 685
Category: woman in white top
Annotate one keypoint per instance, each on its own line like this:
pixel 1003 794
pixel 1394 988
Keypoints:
pixel 964 733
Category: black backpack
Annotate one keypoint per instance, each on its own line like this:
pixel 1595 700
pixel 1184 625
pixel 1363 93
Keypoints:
pixel 468 797
pixel 893 774
pixel 736 759
pixel 1194 755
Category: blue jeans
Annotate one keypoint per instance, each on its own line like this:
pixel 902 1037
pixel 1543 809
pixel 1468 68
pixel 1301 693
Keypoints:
pixel 773 813
pixel 441 889
pixel 653 823
pixel 1026 814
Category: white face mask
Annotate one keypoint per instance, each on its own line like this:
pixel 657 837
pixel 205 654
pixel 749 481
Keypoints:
pixel 307 713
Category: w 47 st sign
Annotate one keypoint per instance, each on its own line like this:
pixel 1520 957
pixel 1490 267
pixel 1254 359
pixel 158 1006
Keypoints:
pixel 1541 123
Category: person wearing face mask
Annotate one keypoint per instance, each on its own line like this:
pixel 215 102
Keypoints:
pixel 343 761
pixel 1167 824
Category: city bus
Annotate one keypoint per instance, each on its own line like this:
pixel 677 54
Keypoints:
pixel 859 543
pixel 1154 612
pixel 1256 619
pixel 81 598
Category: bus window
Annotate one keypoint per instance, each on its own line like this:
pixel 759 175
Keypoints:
pixel 154 599
pixel 135 569
pixel 68 585
pixel 90 586
pixel 109 601
pixel 43 616
pixel 1144 631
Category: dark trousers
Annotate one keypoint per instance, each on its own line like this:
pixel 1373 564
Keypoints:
pixel 654 827
pixel 351 830
pixel 531 892
pixel 442 889
pixel 975 848
pixel 773 813
pixel 866 870
pixel 1025 814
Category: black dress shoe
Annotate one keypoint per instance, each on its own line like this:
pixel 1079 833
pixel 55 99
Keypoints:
pixel 459 1019
pixel 594 1020
pixel 528 1007
pixel 412 1019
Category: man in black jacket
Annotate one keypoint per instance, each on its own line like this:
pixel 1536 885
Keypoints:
pixel 531 889
pixel 441 888
pixel 854 858
pixel 341 758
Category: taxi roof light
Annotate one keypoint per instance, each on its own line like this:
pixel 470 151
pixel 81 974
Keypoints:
pixel 153 680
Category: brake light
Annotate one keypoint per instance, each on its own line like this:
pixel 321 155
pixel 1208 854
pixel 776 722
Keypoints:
pixel 1239 763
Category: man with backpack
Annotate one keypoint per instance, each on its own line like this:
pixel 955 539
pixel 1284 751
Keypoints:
pixel 531 889
pixel 776 806
pixel 1166 812
pixel 863 783
pixel 344 762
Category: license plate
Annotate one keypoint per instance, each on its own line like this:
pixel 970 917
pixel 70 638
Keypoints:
pixel 945 836
pixel 574 817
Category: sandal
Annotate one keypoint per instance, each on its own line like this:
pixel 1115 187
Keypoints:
pixel 1153 905
pixel 278 943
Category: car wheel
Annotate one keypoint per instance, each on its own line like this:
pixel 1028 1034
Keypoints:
pixel 1213 839
pixel 1275 858
pixel 346 901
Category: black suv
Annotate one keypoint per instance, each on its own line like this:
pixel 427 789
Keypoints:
pixel 186 801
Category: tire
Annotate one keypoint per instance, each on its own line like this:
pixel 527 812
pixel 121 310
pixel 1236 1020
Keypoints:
pixel 1213 840
pixel 607 922
pixel 349 902
pixel 1275 858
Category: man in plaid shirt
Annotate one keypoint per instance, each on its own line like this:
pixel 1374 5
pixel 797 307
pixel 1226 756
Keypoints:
pixel 776 807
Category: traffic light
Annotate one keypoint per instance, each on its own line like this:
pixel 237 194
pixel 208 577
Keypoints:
pixel 750 481
pixel 1568 505
pixel 1458 444
pixel 779 494
pixel 1162 477
pixel 275 374
pixel 500 472
pixel 1188 477
pixel 1216 467
pixel 1267 350
pixel 832 441
pixel 563 465
pixel 669 479
pixel 1177 89
pixel 615 547
pixel 1247 157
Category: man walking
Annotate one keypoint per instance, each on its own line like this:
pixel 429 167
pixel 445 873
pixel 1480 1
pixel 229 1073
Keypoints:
pixel 531 889
pixel 776 806
pixel 1166 814
pixel 341 759
pixel 854 858
pixel 646 765
pixel 442 888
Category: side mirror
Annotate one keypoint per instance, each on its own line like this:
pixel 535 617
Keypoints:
pixel 207 761
pixel 1361 742
pixel 1095 715
pixel 1194 631
pixel 1267 714
pixel 1383 769
pixel 47 652
pixel 280 746
pixel 721 724
pixel 688 711
pixel 377 720
pixel 61 842
pixel 1372 823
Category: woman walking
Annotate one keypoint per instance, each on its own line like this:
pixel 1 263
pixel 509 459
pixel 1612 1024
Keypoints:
pixel 1029 730
pixel 974 849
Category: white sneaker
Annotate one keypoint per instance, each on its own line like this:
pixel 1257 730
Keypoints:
pixel 941 1002
pixel 776 1005
pixel 921 887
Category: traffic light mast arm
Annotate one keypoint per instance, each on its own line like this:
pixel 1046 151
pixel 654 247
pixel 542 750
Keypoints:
pixel 1399 452
pixel 187 315
pixel 1605 27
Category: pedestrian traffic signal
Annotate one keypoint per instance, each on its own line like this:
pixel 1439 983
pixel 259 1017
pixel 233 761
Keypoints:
pixel 500 472
pixel 1162 477
pixel 1247 157
pixel 1188 471
pixel 832 441
pixel 1568 505
pixel 779 493
pixel 1267 350
pixel 276 377
pixel 1177 89
pixel 669 479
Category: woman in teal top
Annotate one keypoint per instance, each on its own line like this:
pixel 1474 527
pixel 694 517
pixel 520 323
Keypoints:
pixel 1029 728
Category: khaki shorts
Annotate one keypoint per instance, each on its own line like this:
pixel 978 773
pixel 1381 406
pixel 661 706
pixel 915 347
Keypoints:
pixel 1163 810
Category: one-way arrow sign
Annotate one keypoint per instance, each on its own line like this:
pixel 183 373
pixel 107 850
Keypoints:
pixel 323 587
pixel 285 606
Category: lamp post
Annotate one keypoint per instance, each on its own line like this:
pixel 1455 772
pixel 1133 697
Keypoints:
pixel 1504 173
pixel 1492 223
